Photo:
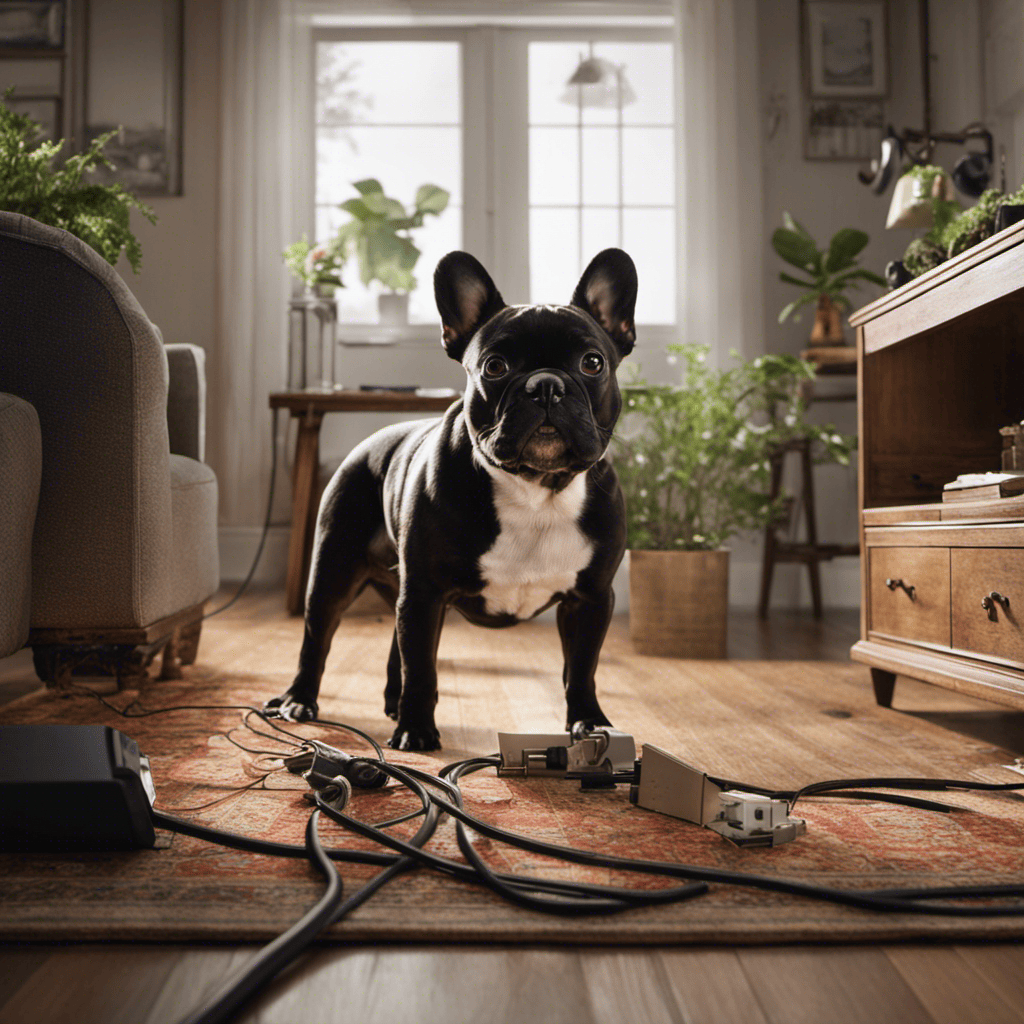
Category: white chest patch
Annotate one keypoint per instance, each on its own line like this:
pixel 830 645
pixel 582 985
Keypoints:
pixel 540 548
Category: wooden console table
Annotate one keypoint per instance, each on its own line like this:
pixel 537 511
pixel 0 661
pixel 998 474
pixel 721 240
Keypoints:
pixel 941 370
pixel 309 408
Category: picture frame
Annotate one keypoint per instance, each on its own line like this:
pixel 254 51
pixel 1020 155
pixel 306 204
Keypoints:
pixel 31 26
pixel 146 151
pixel 846 48
pixel 841 129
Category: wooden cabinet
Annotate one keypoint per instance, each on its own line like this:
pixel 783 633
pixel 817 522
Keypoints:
pixel 941 369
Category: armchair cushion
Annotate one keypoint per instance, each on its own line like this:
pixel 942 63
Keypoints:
pixel 186 400
pixel 75 343
pixel 20 469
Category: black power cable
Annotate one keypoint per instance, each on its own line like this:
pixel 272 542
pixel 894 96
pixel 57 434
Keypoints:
pixel 285 948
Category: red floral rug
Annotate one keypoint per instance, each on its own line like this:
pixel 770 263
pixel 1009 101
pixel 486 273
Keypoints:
pixel 189 890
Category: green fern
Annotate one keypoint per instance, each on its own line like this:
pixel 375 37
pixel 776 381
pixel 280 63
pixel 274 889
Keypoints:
pixel 59 195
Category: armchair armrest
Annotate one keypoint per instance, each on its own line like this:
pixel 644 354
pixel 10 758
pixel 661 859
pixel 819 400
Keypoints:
pixel 186 400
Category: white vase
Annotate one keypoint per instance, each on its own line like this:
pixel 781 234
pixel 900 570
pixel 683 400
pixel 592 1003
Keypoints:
pixel 393 309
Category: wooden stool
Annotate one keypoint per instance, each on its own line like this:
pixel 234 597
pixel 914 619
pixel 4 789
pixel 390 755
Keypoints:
pixel 810 552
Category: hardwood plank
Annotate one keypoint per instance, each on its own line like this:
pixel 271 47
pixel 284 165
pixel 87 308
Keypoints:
pixel 841 986
pixel 949 987
pixel 112 984
pixel 193 978
pixel 429 986
pixel 711 986
pixel 629 988
pixel 1002 966
pixel 17 965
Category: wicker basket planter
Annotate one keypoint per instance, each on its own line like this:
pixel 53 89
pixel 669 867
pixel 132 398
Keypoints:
pixel 679 602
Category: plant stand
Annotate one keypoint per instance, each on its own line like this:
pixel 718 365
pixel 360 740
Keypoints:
pixel 810 553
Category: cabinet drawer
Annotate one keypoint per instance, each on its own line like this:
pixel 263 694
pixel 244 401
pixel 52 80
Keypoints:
pixel 923 617
pixel 976 573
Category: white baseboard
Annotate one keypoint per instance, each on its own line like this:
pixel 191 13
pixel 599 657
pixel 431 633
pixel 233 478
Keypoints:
pixel 238 545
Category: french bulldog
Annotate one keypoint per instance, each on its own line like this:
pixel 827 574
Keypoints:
pixel 502 508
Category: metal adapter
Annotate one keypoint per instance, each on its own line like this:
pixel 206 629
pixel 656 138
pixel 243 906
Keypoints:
pixel 595 754
pixel 666 784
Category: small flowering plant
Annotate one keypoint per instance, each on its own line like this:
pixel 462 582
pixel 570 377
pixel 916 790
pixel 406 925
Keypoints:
pixel 694 459
pixel 318 264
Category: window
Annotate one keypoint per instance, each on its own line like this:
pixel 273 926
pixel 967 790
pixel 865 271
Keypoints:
pixel 542 175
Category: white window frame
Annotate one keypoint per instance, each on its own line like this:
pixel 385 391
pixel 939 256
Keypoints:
pixel 495 120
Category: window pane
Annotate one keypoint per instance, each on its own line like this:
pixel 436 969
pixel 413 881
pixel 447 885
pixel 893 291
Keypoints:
pixel 402 159
pixel 628 161
pixel 390 110
pixel 600 231
pixel 554 255
pixel 389 82
pixel 648 166
pixel 554 166
pixel 600 165
pixel 650 240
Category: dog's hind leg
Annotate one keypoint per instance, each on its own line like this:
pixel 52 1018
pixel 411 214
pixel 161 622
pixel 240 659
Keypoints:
pixel 349 517
pixel 393 689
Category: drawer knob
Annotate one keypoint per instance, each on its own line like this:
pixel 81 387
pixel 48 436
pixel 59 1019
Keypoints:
pixel 894 584
pixel 989 602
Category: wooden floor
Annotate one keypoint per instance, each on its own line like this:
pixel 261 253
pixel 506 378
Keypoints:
pixel 944 984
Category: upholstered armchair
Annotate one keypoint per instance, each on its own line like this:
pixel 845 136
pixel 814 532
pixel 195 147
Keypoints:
pixel 124 548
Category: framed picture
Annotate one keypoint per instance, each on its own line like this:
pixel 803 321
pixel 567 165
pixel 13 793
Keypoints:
pixel 31 26
pixel 843 129
pixel 846 48
pixel 141 44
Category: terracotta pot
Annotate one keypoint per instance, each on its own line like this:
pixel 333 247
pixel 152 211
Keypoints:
pixel 679 603
pixel 828 327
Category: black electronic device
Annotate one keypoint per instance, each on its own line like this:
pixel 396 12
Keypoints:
pixel 73 787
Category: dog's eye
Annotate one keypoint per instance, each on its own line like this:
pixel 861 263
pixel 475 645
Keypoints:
pixel 592 364
pixel 495 367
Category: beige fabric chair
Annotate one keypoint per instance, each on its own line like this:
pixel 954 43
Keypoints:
pixel 20 468
pixel 125 544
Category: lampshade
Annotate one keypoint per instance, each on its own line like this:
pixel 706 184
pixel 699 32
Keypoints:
pixel 911 205
pixel 597 82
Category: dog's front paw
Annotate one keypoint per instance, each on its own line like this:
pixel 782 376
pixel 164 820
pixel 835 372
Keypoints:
pixel 290 709
pixel 415 738
pixel 591 717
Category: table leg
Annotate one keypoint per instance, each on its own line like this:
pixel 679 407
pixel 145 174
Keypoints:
pixel 304 494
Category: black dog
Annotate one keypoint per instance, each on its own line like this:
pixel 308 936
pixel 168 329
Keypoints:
pixel 500 509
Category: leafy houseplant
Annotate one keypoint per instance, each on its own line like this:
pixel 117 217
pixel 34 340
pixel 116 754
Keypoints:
pixel 379 233
pixel 316 266
pixel 694 463
pixel 831 273
pixel 60 196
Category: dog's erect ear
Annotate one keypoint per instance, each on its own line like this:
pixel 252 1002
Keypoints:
pixel 466 299
pixel 607 291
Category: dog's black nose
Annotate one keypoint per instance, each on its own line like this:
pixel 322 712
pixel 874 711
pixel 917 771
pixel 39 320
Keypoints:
pixel 545 388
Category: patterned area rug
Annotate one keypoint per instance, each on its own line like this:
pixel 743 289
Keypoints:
pixel 189 890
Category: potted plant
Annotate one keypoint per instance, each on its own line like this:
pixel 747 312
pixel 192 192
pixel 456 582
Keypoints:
pixel 318 266
pixel 31 184
pixel 693 460
pixel 379 234
pixel 831 271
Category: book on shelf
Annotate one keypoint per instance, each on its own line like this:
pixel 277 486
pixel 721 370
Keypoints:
pixel 984 486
